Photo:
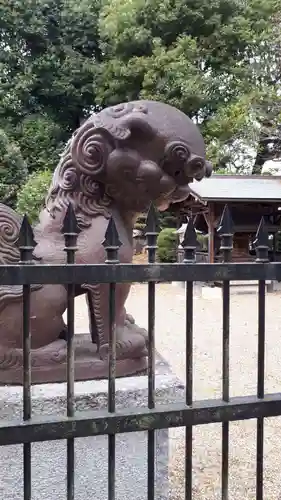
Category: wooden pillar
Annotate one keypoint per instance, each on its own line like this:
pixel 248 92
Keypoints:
pixel 274 247
pixel 211 227
pixel 179 217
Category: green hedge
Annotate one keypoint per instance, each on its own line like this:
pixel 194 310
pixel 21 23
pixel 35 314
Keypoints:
pixel 31 197
pixel 167 242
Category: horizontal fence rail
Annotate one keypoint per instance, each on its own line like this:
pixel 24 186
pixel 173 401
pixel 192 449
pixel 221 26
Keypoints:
pixel 97 423
pixel 187 414
pixel 135 273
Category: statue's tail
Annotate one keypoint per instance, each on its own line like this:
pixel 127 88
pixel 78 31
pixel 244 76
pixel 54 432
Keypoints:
pixel 10 223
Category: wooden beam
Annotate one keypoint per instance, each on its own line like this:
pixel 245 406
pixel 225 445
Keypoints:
pixel 274 247
pixel 210 219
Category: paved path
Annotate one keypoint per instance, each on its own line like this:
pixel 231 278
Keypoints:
pixel 170 340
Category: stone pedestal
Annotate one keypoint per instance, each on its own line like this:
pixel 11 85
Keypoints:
pixel 49 363
pixel 49 458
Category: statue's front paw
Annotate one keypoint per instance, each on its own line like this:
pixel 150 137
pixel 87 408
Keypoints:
pixel 131 342
pixel 129 320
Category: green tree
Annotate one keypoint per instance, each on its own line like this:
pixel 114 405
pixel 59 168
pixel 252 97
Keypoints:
pixel 31 197
pixel 210 58
pixel 167 243
pixel 140 223
pixel 48 60
pixel 217 60
pixel 40 140
pixel 166 219
pixel 13 169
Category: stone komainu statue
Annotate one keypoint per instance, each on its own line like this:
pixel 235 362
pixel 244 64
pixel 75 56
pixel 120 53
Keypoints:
pixel 117 163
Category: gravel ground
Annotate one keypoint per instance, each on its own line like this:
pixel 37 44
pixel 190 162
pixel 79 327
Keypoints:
pixel 170 342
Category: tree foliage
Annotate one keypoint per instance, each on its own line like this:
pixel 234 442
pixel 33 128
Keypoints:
pixel 31 197
pixel 167 243
pixel 40 140
pixel 210 58
pixel 216 60
pixel 166 219
pixel 13 170
pixel 49 48
pixel 48 61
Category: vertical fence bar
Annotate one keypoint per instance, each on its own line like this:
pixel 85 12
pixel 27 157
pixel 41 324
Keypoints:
pixel 260 389
pixel 111 244
pixel 111 391
pixel 70 382
pixel 189 387
pixel 70 231
pixel 151 236
pixel 26 389
pixel 261 245
pixel 151 389
pixel 189 245
pixel 225 389
pixel 225 231
pixel 26 246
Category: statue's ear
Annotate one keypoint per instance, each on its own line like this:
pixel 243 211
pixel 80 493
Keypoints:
pixel 93 142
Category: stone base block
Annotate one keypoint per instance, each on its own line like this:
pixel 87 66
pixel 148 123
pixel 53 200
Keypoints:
pixel 91 454
pixel 49 363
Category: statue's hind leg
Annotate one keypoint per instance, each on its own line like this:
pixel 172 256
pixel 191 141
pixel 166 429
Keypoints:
pixel 92 319
pixel 130 339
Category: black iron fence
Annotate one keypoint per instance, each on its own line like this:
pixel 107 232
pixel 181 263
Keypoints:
pixel 187 414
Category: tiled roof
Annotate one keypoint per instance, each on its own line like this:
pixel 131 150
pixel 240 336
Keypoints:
pixel 238 188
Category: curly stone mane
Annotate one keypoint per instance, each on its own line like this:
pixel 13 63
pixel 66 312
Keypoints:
pixel 80 176
pixel 71 184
